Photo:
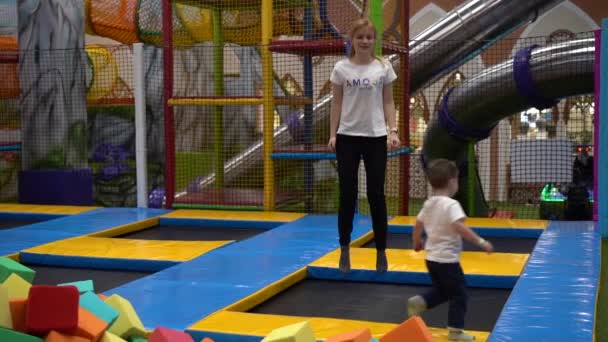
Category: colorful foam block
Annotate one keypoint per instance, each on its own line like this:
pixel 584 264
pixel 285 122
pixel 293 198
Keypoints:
pixel 9 266
pixel 161 334
pixel 18 308
pixel 83 286
pixel 98 307
pixel 128 322
pixel 109 337
pixel 362 335
pixel 207 339
pixel 413 329
pixel 15 336
pixel 6 319
pixel 137 339
pixel 55 336
pixel 102 296
pixel 17 287
pixel 299 332
pixel 89 325
pixel 52 308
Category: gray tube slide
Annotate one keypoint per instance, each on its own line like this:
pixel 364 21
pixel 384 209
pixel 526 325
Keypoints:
pixel 461 35
pixel 479 103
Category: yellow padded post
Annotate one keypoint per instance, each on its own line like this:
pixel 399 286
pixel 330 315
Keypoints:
pixel 299 332
pixel 6 319
pixel 128 322
pixel 109 337
pixel 17 287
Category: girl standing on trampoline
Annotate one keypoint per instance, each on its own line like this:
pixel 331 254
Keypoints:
pixel 362 108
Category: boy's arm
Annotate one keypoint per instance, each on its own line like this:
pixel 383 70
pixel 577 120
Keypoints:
pixel 468 234
pixel 417 235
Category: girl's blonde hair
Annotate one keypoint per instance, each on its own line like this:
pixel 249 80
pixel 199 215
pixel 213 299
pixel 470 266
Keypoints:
pixel 361 24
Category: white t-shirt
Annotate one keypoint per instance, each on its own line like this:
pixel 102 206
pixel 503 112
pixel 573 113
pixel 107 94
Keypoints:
pixel 362 105
pixel 443 244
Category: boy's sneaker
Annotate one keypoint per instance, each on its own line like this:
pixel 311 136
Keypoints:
pixel 459 335
pixel 381 262
pixel 415 305
pixel 344 259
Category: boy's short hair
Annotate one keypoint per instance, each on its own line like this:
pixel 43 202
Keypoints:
pixel 440 172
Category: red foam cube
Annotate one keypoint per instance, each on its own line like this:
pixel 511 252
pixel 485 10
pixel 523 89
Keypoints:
pixel 161 334
pixel 52 308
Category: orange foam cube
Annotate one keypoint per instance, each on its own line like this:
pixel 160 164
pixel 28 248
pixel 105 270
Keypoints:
pixel 412 330
pixel 18 309
pixel 55 336
pixel 361 335
pixel 89 325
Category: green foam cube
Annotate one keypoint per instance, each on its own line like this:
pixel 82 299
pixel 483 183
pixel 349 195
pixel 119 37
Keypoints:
pixel 9 266
pixel 15 336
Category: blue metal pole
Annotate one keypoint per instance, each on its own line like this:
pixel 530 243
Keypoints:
pixel 602 157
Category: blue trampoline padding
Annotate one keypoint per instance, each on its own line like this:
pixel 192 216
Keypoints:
pixel 180 296
pixel 215 223
pixel 98 307
pixel 116 264
pixel 486 232
pixel 17 239
pixel 30 216
pixel 555 297
pixel 412 278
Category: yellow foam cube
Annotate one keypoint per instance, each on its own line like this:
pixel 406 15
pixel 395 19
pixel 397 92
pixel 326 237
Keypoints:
pixel 17 287
pixel 299 332
pixel 6 319
pixel 128 322
pixel 109 337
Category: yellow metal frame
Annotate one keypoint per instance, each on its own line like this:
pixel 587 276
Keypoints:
pixel 268 100
pixel 243 101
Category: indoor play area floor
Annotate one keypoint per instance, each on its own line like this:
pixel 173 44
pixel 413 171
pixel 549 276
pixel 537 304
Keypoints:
pixel 236 276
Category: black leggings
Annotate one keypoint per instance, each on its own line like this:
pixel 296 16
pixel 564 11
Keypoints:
pixel 349 150
pixel 449 284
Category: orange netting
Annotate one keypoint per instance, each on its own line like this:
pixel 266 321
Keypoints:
pixel 113 19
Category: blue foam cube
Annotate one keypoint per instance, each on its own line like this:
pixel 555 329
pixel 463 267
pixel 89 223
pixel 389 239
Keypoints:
pixel 91 302
pixel 82 286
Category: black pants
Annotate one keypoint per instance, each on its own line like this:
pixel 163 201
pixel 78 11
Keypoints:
pixel 349 151
pixel 450 285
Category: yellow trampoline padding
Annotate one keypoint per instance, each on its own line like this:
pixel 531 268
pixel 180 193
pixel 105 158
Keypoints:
pixel 252 324
pixel 268 292
pixel 127 228
pixel 96 247
pixel 407 260
pixel 43 209
pixel 483 222
pixel 234 215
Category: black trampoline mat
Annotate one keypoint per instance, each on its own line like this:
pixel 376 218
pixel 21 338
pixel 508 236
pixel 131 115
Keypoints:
pixel 378 302
pixel 194 233
pixel 103 280
pixel 12 223
pixel 501 245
